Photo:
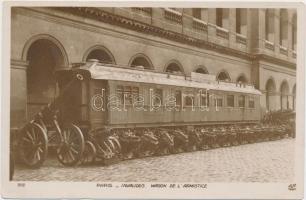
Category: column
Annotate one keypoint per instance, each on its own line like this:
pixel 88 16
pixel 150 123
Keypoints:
pixel 212 24
pixel 157 17
pixel 18 93
pixel 290 16
pixel 261 27
pixel 204 14
pixel 226 18
pixel 232 26
pixel 276 29
pixel 187 18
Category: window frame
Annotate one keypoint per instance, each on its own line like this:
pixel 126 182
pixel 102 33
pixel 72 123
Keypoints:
pixel 227 100
pixel 251 99
pixel 240 100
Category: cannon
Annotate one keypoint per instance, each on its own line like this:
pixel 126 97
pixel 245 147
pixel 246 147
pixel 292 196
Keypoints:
pixel 50 128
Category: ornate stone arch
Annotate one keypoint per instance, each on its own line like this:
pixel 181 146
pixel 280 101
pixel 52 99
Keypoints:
pixel 270 82
pixel 103 50
pixel 242 77
pixel 201 69
pixel 50 38
pixel 284 85
pixel 270 88
pixel 284 94
pixel 174 64
pixel 147 61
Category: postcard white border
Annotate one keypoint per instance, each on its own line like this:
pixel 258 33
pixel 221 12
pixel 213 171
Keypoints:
pixel 214 190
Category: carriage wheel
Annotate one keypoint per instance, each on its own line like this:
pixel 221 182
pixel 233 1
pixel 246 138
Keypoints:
pixel 89 154
pixel 71 148
pixel 105 149
pixel 116 144
pixel 33 145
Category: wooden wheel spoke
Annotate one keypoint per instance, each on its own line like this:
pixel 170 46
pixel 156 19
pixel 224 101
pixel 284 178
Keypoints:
pixel 30 136
pixel 27 140
pixel 33 133
pixel 40 149
pixel 38 155
pixel 68 135
pixel 64 136
pixel 71 155
pixel 74 150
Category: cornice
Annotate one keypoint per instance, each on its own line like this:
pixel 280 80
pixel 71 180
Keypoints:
pixel 132 24
pixel 110 18
pixel 274 60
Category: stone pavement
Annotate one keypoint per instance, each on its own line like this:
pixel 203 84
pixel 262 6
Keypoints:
pixel 262 162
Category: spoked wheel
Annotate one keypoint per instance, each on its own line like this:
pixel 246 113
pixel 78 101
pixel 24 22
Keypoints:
pixel 115 144
pixel 33 145
pixel 71 148
pixel 105 149
pixel 89 154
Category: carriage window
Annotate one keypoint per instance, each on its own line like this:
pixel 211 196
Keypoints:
pixel 189 100
pixel 119 92
pixel 128 94
pixel 204 100
pixel 158 93
pixel 230 100
pixel 251 103
pixel 178 97
pixel 135 93
pixel 219 102
pixel 241 101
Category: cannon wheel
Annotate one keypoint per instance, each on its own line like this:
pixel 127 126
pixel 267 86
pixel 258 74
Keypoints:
pixel 71 148
pixel 115 144
pixel 89 154
pixel 32 145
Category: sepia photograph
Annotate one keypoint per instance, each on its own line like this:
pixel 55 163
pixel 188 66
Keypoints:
pixel 142 97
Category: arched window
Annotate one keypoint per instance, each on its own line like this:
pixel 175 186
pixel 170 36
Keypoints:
pixel 174 67
pixel 294 33
pixel 283 27
pixel 201 70
pixel 241 21
pixel 284 95
pixel 270 92
pixel 141 61
pixel 269 24
pixel 99 53
pixel 223 76
pixel 242 79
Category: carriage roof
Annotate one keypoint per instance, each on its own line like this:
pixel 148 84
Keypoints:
pixel 107 72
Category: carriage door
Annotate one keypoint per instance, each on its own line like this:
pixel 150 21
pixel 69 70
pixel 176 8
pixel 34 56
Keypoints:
pixel 44 57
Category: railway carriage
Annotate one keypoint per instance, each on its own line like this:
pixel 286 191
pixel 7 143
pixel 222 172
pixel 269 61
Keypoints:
pixel 104 111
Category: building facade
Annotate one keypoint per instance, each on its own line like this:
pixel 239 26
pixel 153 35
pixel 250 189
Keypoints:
pixel 248 46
